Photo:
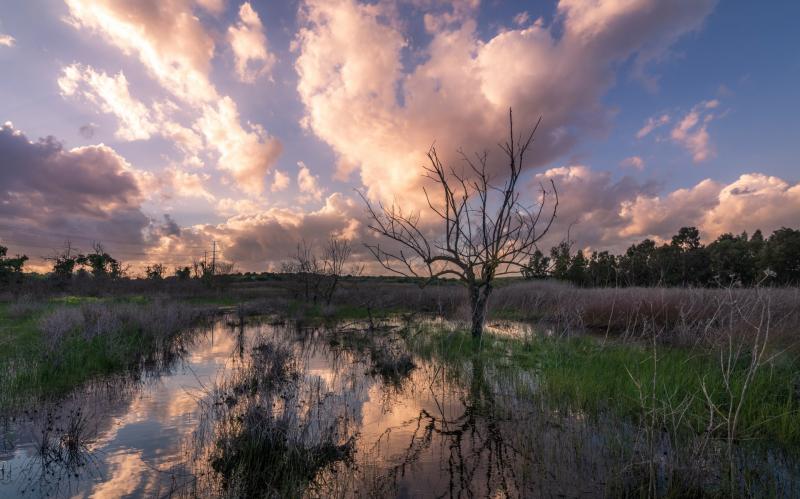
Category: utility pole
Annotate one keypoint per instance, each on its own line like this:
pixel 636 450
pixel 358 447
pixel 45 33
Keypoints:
pixel 214 258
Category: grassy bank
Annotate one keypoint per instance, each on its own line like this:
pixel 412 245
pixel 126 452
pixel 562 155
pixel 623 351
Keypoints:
pixel 583 375
pixel 49 347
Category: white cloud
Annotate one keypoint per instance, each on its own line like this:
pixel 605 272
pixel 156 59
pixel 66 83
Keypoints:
pixel 7 40
pixel 214 6
pixel 651 124
pixel 111 95
pixel 189 185
pixel 308 184
pixel 691 132
pixel 635 162
pixel 252 56
pixel 245 153
pixel 605 214
pixel 175 48
pixel 280 181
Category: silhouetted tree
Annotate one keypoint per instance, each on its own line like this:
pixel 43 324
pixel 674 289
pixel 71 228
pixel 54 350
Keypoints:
pixel 538 266
pixel 487 230
pixel 10 268
pixel 561 259
pixel 781 256
pixel 155 272
pixel 183 273
pixel 732 260
pixel 577 272
pixel 684 261
pixel 64 262
pixel 100 263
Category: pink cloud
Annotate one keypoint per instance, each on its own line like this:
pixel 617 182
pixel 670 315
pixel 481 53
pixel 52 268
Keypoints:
pixel 350 74
pixel 691 132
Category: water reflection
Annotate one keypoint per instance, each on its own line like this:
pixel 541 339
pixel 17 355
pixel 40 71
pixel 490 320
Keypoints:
pixel 244 409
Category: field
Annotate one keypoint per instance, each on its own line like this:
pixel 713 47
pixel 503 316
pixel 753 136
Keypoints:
pixel 644 391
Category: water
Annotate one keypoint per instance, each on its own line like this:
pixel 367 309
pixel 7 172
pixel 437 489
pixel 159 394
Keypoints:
pixel 153 434
pixel 361 416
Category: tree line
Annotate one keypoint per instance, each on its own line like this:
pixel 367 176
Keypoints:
pixel 730 260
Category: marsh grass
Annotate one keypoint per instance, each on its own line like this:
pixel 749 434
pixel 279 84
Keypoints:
pixel 665 402
pixel 272 434
pixel 583 375
pixel 74 340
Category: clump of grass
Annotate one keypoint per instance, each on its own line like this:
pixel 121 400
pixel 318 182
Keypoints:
pixel 391 364
pixel 272 438
pixel 70 344
pixel 24 307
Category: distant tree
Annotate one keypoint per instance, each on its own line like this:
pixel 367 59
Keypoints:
pixel 10 268
pixel 155 272
pixel 65 262
pixel 781 255
pixel 694 264
pixel 732 260
pixel 636 264
pixel 560 259
pixel 602 269
pixel 577 272
pixel 183 273
pixel 319 275
pixel 336 254
pixel 100 263
pixel 538 266
pixel 487 230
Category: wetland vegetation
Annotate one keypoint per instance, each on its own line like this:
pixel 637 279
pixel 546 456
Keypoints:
pixel 250 390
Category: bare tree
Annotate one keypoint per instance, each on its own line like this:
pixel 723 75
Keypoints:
pixel 320 276
pixel 487 229
pixel 335 256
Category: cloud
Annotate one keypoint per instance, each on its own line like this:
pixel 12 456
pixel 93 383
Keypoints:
pixel 651 124
pixel 111 95
pixel 176 50
pixel 7 40
pixel 259 241
pixel 381 114
pixel 252 56
pixel 757 201
pixel 590 204
pixel 186 184
pixel 166 37
pixel 602 213
pixel 50 194
pixel 170 227
pixel 635 162
pixel 246 153
pixel 522 18
pixel 280 181
pixel 661 216
pixel 308 184
pixel 87 131
pixel 213 6
pixel 691 132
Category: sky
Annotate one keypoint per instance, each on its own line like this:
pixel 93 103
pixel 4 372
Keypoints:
pixel 157 127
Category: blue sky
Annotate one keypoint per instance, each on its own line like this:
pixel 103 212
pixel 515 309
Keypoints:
pixel 402 74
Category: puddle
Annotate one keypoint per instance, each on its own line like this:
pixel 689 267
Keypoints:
pixel 357 416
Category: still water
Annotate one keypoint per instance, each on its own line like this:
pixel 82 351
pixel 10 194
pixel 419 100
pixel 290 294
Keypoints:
pixel 283 410
pixel 395 424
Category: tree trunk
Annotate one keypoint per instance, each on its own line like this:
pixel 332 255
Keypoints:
pixel 479 296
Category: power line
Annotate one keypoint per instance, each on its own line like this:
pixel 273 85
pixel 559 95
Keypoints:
pixel 45 233
pixel 125 253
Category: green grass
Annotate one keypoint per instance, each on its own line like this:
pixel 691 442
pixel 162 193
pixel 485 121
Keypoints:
pixel 29 371
pixel 582 374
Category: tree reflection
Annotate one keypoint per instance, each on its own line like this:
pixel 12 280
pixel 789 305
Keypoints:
pixel 478 456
